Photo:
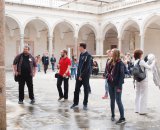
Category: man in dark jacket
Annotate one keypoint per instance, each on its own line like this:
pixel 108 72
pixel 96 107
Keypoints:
pixel 83 76
pixel 45 61
pixel 25 68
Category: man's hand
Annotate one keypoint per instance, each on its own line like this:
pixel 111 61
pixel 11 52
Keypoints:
pixel 34 73
pixel 119 90
pixel 80 79
pixel 64 75
pixel 16 73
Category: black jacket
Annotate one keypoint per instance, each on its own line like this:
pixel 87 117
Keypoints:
pixel 118 74
pixel 84 66
pixel 45 60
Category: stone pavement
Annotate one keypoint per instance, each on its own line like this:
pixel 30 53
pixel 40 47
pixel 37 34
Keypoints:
pixel 49 114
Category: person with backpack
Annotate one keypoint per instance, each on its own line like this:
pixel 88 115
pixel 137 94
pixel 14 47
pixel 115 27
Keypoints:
pixel 115 78
pixel 140 74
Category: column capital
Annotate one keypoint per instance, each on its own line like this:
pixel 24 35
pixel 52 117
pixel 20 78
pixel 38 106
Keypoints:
pixel 119 38
pixel 50 37
pixel 22 36
pixel 100 38
pixel 75 38
pixel 142 35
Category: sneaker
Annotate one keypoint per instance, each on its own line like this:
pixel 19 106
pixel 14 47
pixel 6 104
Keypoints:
pixel 73 106
pixel 142 114
pixel 20 102
pixel 32 101
pixel 85 107
pixel 65 100
pixel 112 118
pixel 60 98
pixel 121 121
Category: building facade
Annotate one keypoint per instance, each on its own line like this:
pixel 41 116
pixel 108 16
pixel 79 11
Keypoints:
pixel 125 25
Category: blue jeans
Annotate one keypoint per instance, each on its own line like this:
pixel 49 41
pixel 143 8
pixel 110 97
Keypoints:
pixel 114 95
pixel 52 67
pixel 106 87
pixel 39 67
pixel 73 73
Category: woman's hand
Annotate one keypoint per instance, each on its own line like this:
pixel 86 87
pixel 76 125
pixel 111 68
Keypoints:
pixel 118 90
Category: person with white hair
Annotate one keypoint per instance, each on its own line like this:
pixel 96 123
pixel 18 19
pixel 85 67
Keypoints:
pixel 142 85
pixel 155 69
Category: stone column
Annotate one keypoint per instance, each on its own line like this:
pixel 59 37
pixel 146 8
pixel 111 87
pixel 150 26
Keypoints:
pixel 142 42
pixel 21 42
pixel 99 46
pixel 50 39
pixel 120 44
pixel 76 46
pixel 2 69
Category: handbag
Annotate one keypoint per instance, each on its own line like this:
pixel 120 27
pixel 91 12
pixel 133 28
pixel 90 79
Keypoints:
pixel 57 75
pixel 16 78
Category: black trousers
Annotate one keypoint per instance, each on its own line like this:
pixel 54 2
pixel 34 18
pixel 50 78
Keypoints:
pixel 85 83
pixel 29 81
pixel 66 84
pixel 45 68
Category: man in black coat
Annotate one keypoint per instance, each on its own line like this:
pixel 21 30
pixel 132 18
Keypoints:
pixel 45 61
pixel 83 76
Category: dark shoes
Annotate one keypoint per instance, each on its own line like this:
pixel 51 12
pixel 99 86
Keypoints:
pixel 73 106
pixel 112 118
pixel 85 107
pixel 20 102
pixel 32 102
pixel 59 99
pixel 121 121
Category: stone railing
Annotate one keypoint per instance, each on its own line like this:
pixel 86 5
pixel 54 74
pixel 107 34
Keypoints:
pixel 70 5
pixel 101 60
pixel 123 4
pixel 59 4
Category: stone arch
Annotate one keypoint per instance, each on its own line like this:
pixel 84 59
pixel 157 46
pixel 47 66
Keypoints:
pixel 129 35
pixel 148 20
pixel 151 30
pixel 69 23
pixel 37 18
pixel 107 27
pixel 15 19
pixel 90 25
pixel 126 24
pixel 110 36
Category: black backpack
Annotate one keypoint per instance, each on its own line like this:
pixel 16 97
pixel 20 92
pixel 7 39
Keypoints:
pixel 137 72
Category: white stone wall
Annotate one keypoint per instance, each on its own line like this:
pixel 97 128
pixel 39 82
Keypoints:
pixel 139 17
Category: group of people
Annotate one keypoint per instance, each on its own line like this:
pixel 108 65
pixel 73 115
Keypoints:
pixel 114 78
pixel 25 67
pixel 45 62
pixel 82 75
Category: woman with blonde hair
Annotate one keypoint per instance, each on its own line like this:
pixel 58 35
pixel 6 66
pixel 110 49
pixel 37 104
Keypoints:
pixel 115 77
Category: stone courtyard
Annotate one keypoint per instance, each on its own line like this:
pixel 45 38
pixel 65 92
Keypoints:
pixel 49 114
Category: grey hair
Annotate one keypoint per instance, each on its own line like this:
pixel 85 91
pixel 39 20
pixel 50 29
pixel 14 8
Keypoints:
pixel 26 46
